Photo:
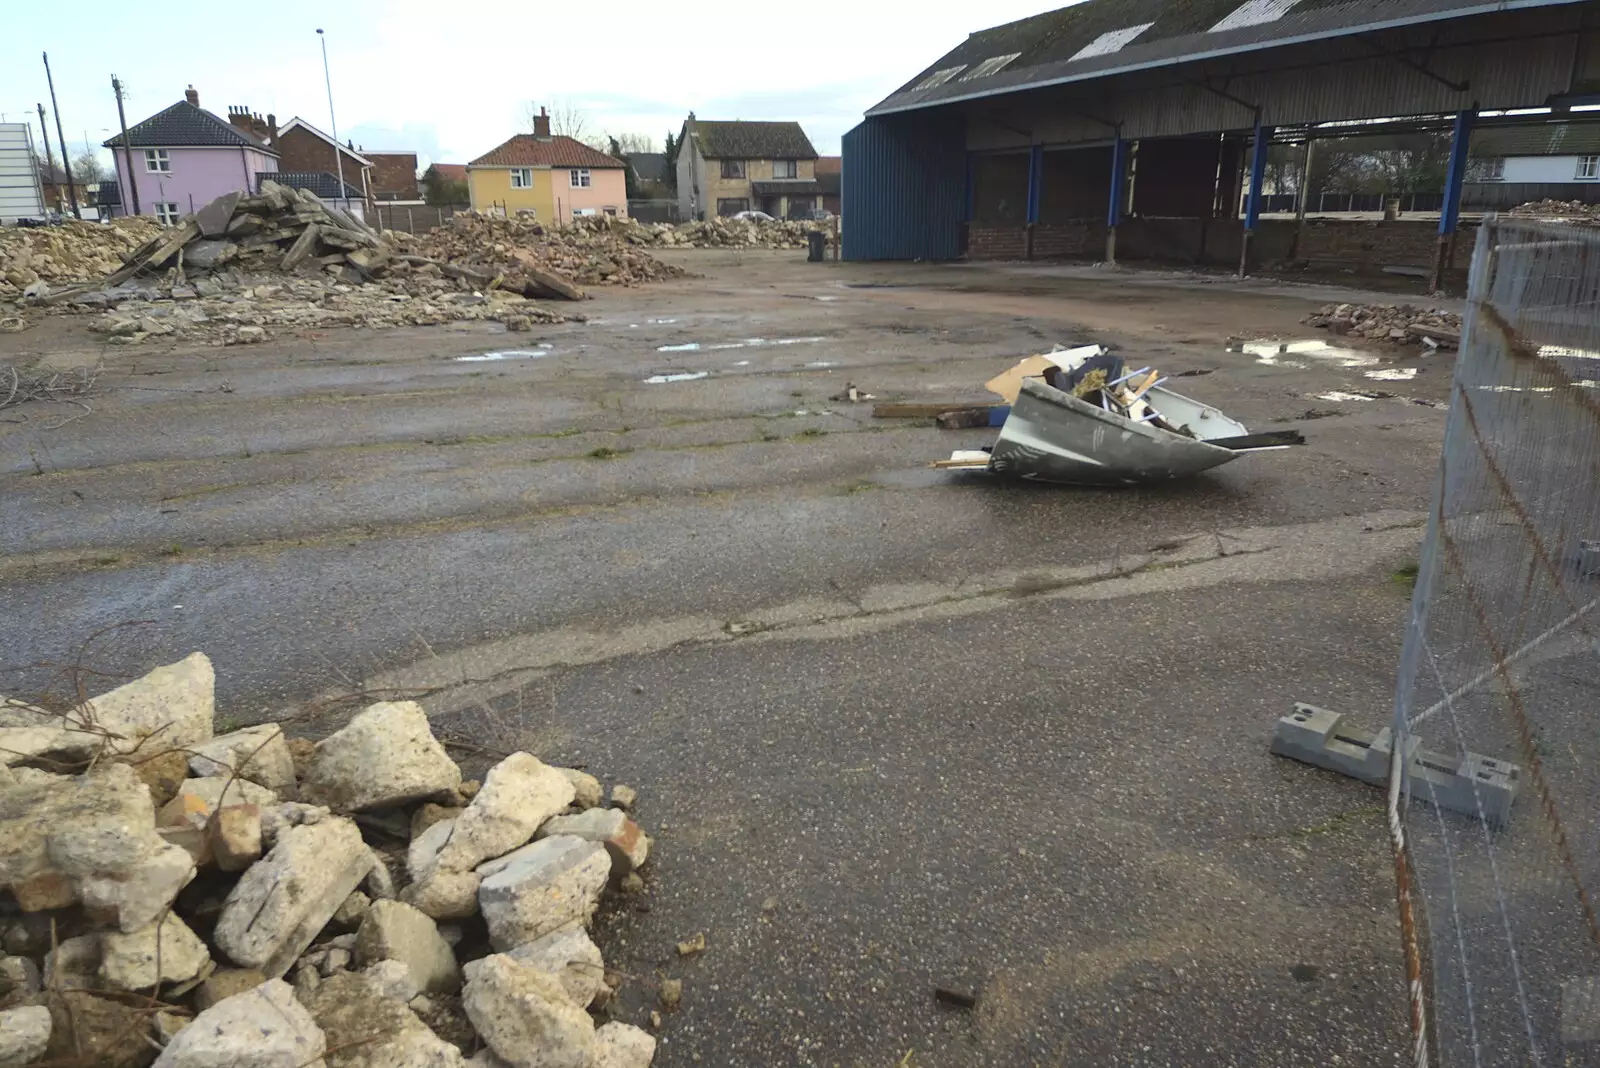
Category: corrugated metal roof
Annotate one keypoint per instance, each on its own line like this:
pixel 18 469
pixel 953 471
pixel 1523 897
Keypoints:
pixel 184 125
pixel 1538 139
pixel 1180 31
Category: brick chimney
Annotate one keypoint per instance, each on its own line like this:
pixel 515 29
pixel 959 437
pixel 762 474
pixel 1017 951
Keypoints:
pixel 242 118
pixel 272 129
pixel 541 125
pixel 192 96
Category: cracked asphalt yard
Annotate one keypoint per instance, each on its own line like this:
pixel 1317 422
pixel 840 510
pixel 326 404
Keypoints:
pixel 894 729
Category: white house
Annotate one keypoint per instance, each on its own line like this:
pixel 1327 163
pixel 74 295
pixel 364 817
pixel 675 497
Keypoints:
pixel 1543 153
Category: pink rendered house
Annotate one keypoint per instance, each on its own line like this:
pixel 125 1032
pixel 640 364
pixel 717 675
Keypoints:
pixel 184 157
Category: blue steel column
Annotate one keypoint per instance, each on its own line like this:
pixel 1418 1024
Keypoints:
pixel 1119 167
pixel 1258 174
pixel 1035 180
pixel 1450 210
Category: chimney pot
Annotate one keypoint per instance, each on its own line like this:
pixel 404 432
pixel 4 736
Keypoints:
pixel 191 96
pixel 541 125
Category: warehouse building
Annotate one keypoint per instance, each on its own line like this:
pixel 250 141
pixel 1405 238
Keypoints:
pixel 1138 129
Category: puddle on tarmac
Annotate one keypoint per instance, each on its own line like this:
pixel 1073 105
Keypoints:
pixel 1393 374
pixel 742 363
pixel 822 363
pixel 676 376
pixel 660 322
pixel 1342 395
pixel 1289 353
pixel 506 354
pixel 747 343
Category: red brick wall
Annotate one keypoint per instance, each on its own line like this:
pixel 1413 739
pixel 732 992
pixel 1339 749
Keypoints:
pixel 1075 238
pixel 996 242
pixel 394 175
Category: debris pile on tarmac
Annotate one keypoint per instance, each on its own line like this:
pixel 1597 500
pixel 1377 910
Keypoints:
pixel 1400 324
pixel 71 252
pixel 734 233
pixel 526 255
pixel 1566 210
pixel 209 900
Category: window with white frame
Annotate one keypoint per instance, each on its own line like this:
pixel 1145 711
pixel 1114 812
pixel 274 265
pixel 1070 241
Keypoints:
pixel 1492 169
pixel 784 168
pixel 579 177
pixel 155 160
pixel 1588 168
pixel 166 212
pixel 521 177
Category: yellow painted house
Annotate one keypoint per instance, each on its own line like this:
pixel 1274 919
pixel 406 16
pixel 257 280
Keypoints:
pixel 555 178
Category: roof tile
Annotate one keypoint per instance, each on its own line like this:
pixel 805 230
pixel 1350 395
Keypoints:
pixel 752 140
pixel 184 125
pixel 526 150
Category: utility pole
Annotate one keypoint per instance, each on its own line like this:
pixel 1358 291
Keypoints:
pixel 127 149
pixel 338 152
pixel 61 138
pixel 49 160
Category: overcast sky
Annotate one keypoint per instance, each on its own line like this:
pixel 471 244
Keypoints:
pixel 451 82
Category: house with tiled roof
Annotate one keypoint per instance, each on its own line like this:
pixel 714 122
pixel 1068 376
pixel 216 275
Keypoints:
pixel 728 167
pixel 554 178
pixel 183 157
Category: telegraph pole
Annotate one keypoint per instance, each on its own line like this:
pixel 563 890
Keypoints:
pixel 127 149
pixel 49 160
pixel 61 138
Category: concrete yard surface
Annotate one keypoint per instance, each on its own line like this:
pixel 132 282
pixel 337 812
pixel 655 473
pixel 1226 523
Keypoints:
pixel 893 729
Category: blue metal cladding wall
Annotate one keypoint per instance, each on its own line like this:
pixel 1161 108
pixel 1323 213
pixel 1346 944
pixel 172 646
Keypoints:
pixel 904 188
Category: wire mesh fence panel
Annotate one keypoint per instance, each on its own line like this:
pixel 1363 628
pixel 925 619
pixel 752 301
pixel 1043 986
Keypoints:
pixel 1501 666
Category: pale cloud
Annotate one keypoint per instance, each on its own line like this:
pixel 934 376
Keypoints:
pixel 454 82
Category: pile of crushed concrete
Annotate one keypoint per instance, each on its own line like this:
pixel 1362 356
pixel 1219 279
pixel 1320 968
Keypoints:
pixel 69 253
pixel 710 233
pixel 522 253
pixel 195 900
pixel 1565 210
pixel 1400 324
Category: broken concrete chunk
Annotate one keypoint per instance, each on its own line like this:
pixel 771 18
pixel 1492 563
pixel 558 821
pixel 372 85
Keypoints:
pixel 24 1034
pixel 128 961
pixel 260 754
pixel 235 836
pixel 364 1029
pixel 422 856
pixel 74 964
pixel 393 930
pixel 587 790
pixel 541 888
pixel 527 1018
pixel 627 844
pixel 279 818
pixel 213 219
pixel 174 702
pixel 569 956
pixel 164 772
pixel 620 1045
pixel 444 895
pixel 224 983
pixel 386 756
pixel 379 884
pixel 353 910
pixel 264 1027
pixel 624 797
pixel 518 795
pixel 136 899
pixel 164 1026
pixel 201 797
pixel 428 814
pixel 289 895
pixel 392 979
pixel 56 830
pixel 48 745
pixel 19 980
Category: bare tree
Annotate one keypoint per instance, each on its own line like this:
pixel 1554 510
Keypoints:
pixel 87 168
pixel 567 119
pixel 629 143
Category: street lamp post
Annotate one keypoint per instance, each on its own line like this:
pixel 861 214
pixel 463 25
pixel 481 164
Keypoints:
pixel 338 153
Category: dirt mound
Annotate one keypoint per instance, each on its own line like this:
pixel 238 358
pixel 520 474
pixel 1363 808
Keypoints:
pixel 1571 210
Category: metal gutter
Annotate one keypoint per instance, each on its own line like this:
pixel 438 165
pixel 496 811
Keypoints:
pixel 1194 57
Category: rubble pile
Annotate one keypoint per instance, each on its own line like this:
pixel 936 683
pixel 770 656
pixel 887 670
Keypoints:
pixel 72 252
pixel 192 900
pixel 735 233
pixel 524 254
pixel 1569 210
pixel 1400 324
